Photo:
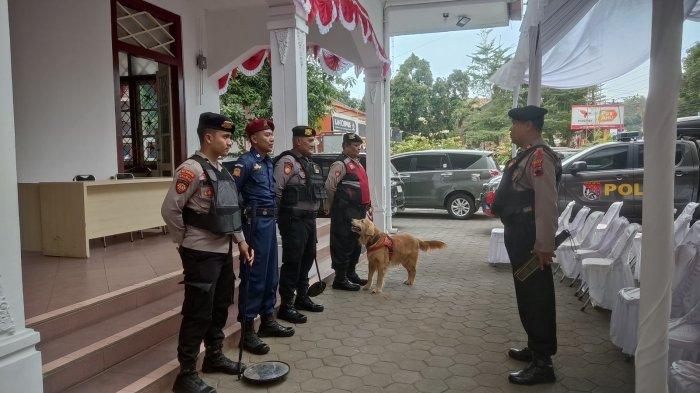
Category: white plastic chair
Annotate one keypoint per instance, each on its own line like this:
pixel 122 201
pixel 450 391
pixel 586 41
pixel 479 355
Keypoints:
pixel 612 213
pixel 681 228
pixel 693 236
pixel 565 253
pixel 625 311
pixel 684 337
pixel 689 209
pixel 606 276
pixel 565 217
pixel 603 248
pixel 684 377
pixel 578 221
pixel 497 248
pixel 686 285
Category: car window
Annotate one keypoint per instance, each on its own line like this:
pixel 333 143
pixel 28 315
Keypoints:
pixel 463 161
pixel 431 162
pixel 681 150
pixel 402 164
pixel 607 159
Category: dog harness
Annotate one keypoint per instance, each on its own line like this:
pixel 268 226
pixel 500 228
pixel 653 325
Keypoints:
pixel 380 241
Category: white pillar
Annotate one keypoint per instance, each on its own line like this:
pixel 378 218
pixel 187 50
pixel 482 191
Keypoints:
pixel 651 361
pixel 20 363
pixel 377 158
pixel 288 31
pixel 534 91
pixel 387 125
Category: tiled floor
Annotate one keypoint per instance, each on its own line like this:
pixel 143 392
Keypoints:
pixel 54 282
pixel 447 333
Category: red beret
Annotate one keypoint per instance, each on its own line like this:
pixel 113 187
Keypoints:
pixel 256 125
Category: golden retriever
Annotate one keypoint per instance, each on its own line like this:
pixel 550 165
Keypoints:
pixel 404 251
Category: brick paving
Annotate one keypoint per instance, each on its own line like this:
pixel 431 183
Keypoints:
pixel 447 333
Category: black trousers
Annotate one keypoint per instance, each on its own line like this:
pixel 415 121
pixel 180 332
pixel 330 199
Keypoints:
pixel 345 246
pixel 209 283
pixel 535 295
pixel 298 253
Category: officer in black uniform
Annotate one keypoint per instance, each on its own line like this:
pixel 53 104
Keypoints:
pixel 202 213
pixel 526 202
pixel 300 189
pixel 347 187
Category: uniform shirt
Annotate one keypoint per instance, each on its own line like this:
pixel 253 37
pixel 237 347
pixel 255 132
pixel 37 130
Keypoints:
pixel 335 175
pixel 253 173
pixel 538 172
pixel 190 189
pixel 289 172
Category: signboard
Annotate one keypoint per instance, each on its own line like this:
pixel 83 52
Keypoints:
pixel 344 125
pixel 597 116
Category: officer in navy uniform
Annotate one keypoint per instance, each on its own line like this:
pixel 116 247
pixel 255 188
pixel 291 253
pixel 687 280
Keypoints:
pixel 348 197
pixel 253 173
pixel 526 202
pixel 300 190
pixel 203 216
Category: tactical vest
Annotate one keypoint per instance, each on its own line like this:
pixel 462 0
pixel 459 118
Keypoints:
pixel 224 216
pixel 354 186
pixel 511 204
pixel 313 190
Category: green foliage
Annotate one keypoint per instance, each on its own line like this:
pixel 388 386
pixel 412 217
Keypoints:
pixel 486 60
pixel 410 95
pixel 420 142
pixel 322 89
pixel 634 112
pixel 689 94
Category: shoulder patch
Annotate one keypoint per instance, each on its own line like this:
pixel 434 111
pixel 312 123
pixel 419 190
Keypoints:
pixel 337 173
pixel 236 171
pixel 186 175
pixel 288 168
pixel 536 165
pixel 181 186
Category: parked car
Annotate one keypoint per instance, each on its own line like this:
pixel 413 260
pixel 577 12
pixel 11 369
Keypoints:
pixel 445 179
pixel 614 171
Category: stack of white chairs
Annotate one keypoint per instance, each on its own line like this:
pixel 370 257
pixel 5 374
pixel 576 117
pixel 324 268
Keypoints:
pixel 684 336
pixel 625 311
pixel 597 250
pixel 602 228
pixel 575 226
pixel 606 276
pixel 693 236
pixel 565 217
pixel 565 253
pixel 684 377
pixel 689 209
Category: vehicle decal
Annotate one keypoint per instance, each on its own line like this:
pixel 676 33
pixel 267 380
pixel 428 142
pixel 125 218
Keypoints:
pixel 592 190
pixel 623 189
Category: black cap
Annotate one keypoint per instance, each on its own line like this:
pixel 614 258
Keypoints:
pixel 526 113
pixel 351 137
pixel 214 121
pixel 303 131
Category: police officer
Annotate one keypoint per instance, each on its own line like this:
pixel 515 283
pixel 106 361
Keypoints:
pixel 253 173
pixel 203 216
pixel 300 191
pixel 526 202
pixel 348 197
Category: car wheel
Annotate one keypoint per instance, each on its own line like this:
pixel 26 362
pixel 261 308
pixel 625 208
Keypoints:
pixel 461 206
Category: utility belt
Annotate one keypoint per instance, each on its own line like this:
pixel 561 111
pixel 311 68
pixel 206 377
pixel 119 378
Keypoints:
pixel 518 216
pixel 258 212
pixel 298 213
pixel 344 203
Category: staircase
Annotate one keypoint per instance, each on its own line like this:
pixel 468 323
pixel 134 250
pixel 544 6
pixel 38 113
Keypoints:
pixel 126 340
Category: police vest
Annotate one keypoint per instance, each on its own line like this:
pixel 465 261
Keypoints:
pixel 354 186
pixel 511 204
pixel 313 190
pixel 224 216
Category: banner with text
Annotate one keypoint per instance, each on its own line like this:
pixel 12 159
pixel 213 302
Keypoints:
pixel 584 117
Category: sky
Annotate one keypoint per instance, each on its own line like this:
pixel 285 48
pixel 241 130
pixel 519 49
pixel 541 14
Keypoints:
pixel 434 47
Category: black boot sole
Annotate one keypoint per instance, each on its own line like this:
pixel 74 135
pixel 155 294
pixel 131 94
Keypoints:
pixel 295 321
pixel 309 309
pixel 520 356
pixel 261 350
pixel 529 382
pixel 349 289
pixel 276 334
pixel 213 369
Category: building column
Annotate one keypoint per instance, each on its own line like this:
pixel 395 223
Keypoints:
pixel 288 31
pixel 20 363
pixel 377 157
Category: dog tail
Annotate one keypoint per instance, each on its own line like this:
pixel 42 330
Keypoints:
pixel 426 245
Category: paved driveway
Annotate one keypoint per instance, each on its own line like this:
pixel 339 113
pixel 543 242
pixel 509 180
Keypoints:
pixel 447 333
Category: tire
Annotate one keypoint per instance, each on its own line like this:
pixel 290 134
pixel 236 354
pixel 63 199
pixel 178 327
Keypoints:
pixel 460 206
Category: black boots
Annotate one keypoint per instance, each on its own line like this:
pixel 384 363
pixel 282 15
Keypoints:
pixel 188 381
pixel 342 283
pixel 251 342
pixel 216 362
pixel 270 328
pixel 524 355
pixel 355 279
pixel 305 303
pixel 289 313
pixel 540 370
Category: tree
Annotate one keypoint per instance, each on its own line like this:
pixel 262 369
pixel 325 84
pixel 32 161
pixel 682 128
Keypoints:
pixel 689 94
pixel 634 112
pixel 486 60
pixel 410 95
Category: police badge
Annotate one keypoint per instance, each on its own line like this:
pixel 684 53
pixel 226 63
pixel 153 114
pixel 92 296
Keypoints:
pixel 592 190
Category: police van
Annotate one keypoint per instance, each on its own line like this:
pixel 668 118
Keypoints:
pixel 614 171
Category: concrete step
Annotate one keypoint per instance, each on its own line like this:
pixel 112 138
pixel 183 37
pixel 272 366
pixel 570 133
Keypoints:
pixel 85 341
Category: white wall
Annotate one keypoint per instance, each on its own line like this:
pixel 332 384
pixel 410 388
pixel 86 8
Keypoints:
pixel 64 85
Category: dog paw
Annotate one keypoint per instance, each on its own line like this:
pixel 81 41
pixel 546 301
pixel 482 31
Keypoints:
pixel 366 287
pixel 376 291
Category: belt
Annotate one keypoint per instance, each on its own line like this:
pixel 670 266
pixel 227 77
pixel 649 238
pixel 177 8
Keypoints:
pixel 250 212
pixel 298 213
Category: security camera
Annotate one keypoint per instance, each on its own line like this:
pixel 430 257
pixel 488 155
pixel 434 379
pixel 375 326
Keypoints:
pixel 445 15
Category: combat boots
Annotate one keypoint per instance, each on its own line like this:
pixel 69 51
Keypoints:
pixel 540 370
pixel 251 342
pixel 342 283
pixel 304 302
pixel 355 279
pixel 188 381
pixel 524 355
pixel 270 328
pixel 216 362
pixel 289 313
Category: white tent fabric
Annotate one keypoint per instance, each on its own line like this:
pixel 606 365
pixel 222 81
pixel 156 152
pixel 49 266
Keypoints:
pixel 581 40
